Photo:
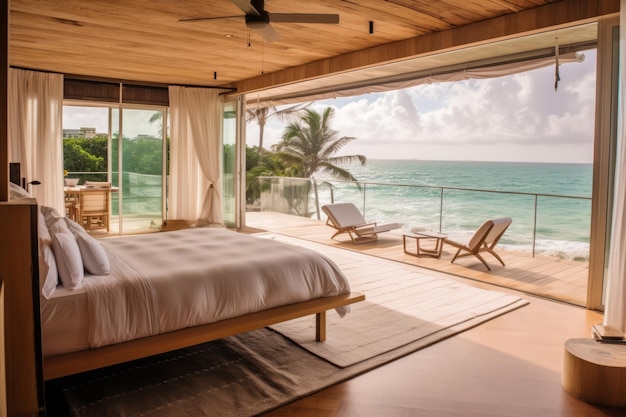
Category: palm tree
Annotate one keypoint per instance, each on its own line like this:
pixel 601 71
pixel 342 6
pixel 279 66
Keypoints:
pixel 267 165
pixel 262 114
pixel 157 117
pixel 310 143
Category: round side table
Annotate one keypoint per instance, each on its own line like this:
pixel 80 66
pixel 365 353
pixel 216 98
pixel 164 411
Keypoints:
pixel 595 372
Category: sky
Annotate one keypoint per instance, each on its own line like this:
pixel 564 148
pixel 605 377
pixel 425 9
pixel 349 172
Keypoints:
pixel 518 118
pixel 136 122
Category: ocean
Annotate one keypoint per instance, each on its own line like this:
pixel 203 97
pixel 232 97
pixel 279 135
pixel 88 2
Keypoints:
pixel 550 203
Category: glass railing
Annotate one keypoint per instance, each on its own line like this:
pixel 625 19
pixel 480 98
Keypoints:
pixel 141 196
pixel 545 224
pixel 87 176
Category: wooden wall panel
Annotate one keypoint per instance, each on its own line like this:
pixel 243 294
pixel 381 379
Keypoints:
pixel 91 90
pixel 140 94
pixel 22 335
pixel 3 384
pixel 541 19
pixel 109 92
pixel 4 91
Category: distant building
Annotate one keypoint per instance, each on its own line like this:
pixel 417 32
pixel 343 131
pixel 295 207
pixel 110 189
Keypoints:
pixel 143 136
pixel 83 132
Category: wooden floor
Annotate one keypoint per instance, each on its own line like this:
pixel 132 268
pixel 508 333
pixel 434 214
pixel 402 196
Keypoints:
pixel 509 366
pixel 545 276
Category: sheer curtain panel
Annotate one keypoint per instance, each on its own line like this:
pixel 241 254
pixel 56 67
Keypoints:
pixel 615 307
pixel 35 132
pixel 195 155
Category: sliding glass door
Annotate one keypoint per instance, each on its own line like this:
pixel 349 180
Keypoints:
pixel 125 146
pixel 604 165
pixel 137 161
pixel 229 180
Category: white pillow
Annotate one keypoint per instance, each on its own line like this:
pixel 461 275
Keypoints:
pixel 50 214
pixel 74 227
pixel 67 254
pixel 15 192
pixel 48 273
pixel 92 253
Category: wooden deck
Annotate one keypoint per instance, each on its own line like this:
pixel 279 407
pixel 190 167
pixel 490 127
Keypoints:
pixel 543 276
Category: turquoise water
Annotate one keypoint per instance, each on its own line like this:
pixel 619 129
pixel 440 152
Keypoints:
pixel 527 192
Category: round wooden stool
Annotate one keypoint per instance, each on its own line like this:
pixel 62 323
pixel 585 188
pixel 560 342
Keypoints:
pixel 595 372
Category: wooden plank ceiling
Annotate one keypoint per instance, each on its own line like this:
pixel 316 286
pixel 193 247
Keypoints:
pixel 144 40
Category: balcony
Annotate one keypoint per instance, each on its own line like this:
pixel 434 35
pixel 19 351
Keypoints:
pixel 290 206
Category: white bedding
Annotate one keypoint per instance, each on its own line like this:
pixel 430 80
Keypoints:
pixel 167 281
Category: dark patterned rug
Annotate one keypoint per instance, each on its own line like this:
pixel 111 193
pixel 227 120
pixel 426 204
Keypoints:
pixel 242 375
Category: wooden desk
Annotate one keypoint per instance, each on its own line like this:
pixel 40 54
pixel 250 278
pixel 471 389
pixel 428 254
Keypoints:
pixel 79 188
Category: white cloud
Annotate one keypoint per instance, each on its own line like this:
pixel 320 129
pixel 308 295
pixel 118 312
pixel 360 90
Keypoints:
pixel 515 118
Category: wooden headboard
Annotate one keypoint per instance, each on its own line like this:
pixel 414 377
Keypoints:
pixel 14 172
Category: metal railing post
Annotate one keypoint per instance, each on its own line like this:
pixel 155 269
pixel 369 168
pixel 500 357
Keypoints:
pixel 317 199
pixel 441 210
pixel 534 227
pixel 364 190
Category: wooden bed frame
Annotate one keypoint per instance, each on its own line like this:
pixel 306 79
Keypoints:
pixel 86 360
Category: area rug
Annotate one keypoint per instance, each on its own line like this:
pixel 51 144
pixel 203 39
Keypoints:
pixel 404 304
pixel 249 374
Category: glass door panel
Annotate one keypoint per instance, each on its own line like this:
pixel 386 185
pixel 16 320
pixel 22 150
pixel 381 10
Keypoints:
pixel 229 129
pixel 140 173
pixel 85 149
pixel 114 165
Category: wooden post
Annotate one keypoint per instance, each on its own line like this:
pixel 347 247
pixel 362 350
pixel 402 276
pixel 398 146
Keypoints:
pixel 4 97
pixel 3 384
pixel 19 273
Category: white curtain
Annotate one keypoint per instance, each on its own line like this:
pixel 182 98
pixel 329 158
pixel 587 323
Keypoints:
pixel 195 155
pixel 480 73
pixel 615 303
pixel 35 132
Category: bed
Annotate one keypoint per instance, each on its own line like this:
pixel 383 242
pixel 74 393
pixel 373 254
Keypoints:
pixel 147 294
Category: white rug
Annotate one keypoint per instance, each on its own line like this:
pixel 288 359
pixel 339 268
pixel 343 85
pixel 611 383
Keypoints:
pixel 405 305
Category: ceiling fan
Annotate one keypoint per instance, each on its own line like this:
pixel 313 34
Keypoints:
pixel 259 19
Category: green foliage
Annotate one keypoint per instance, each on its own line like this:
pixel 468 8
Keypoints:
pixel 308 146
pixel 268 164
pixel 261 115
pixel 229 158
pixel 252 157
pixel 311 144
pixel 81 155
pixel 143 155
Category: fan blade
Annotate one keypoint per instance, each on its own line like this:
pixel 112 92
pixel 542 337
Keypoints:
pixel 196 19
pixel 247 7
pixel 268 33
pixel 303 18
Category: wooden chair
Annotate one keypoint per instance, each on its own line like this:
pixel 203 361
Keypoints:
pixel 72 203
pixel 346 218
pixel 484 240
pixel 94 207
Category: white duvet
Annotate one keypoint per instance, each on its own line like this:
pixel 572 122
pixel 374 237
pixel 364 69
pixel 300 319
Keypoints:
pixel 162 282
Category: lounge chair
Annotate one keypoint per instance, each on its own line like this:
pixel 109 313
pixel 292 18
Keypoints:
pixel 484 240
pixel 346 218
